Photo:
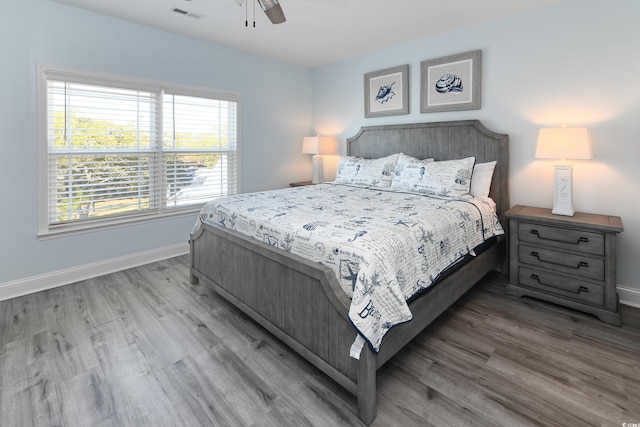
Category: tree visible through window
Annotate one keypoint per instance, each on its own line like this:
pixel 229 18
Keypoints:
pixel 116 151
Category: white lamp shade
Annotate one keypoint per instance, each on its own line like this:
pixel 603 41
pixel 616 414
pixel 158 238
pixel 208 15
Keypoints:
pixel 563 143
pixel 319 145
pixel 310 145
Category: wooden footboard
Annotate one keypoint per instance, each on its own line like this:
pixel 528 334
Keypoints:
pixel 297 300
pixel 301 303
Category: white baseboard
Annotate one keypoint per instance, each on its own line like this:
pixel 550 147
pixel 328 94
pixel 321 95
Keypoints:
pixel 629 296
pixel 64 277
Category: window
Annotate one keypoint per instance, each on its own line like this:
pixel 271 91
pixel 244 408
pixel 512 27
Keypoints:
pixel 114 150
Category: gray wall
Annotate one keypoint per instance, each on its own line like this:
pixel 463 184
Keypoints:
pixel 576 63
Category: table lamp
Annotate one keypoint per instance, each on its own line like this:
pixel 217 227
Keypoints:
pixel 318 145
pixel 563 143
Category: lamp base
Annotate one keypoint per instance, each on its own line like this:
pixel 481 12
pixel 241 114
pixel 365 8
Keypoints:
pixel 563 190
pixel 565 212
pixel 318 174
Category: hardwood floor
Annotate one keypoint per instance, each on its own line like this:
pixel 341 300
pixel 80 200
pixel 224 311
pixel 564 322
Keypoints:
pixel 143 347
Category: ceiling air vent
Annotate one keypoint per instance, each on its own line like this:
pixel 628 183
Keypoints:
pixel 187 13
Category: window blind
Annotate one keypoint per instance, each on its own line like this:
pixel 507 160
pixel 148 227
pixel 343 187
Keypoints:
pixel 116 151
pixel 199 148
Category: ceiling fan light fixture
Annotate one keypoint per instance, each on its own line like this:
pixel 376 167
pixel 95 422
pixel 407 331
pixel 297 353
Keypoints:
pixel 273 10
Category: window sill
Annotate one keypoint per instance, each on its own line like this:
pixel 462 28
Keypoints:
pixel 79 228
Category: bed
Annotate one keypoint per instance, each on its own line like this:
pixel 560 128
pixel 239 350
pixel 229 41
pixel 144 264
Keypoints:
pixel 302 301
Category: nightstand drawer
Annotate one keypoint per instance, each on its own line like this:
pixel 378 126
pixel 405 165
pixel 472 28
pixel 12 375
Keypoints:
pixel 564 286
pixel 562 238
pixel 563 262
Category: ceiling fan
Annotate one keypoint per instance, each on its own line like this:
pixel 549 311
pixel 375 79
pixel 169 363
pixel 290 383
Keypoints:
pixel 271 8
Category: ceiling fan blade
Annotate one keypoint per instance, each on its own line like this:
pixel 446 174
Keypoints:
pixel 273 10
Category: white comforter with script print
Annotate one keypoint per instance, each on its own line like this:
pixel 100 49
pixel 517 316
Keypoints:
pixel 385 246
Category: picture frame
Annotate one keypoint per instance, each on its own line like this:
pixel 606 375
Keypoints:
pixel 386 92
pixel 451 83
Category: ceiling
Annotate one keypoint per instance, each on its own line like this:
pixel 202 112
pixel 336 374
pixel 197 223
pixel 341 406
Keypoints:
pixel 317 32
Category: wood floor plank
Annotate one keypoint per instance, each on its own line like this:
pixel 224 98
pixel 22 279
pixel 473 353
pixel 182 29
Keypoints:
pixel 15 404
pixel 244 386
pixel 178 288
pixel 552 380
pixel 66 344
pixel 192 334
pixel 138 396
pixel 28 393
pixel 144 282
pixel 90 301
pixel 292 376
pixel 236 329
pixel 246 392
pixel 453 372
pixel 24 316
pixel 159 348
pixel 197 399
pixel 88 401
pixel 527 400
pixel 418 401
pixel 177 279
pixel 145 347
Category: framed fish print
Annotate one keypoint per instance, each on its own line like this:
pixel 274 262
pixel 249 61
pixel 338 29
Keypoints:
pixel 386 92
pixel 451 83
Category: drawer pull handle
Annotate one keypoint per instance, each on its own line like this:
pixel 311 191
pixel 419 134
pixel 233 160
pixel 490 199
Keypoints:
pixel 581 264
pixel 577 291
pixel 581 239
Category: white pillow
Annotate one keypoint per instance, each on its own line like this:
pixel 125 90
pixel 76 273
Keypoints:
pixel 366 172
pixel 445 178
pixel 481 179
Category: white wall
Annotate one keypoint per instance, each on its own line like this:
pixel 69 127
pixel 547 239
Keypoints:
pixel 276 115
pixel 575 63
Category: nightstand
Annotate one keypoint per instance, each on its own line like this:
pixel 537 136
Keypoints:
pixel 300 184
pixel 566 260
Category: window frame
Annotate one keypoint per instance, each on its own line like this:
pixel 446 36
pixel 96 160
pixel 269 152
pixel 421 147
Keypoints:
pixel 47 72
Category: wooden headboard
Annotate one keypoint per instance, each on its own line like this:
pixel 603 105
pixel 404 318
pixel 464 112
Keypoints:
pixel 441 141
